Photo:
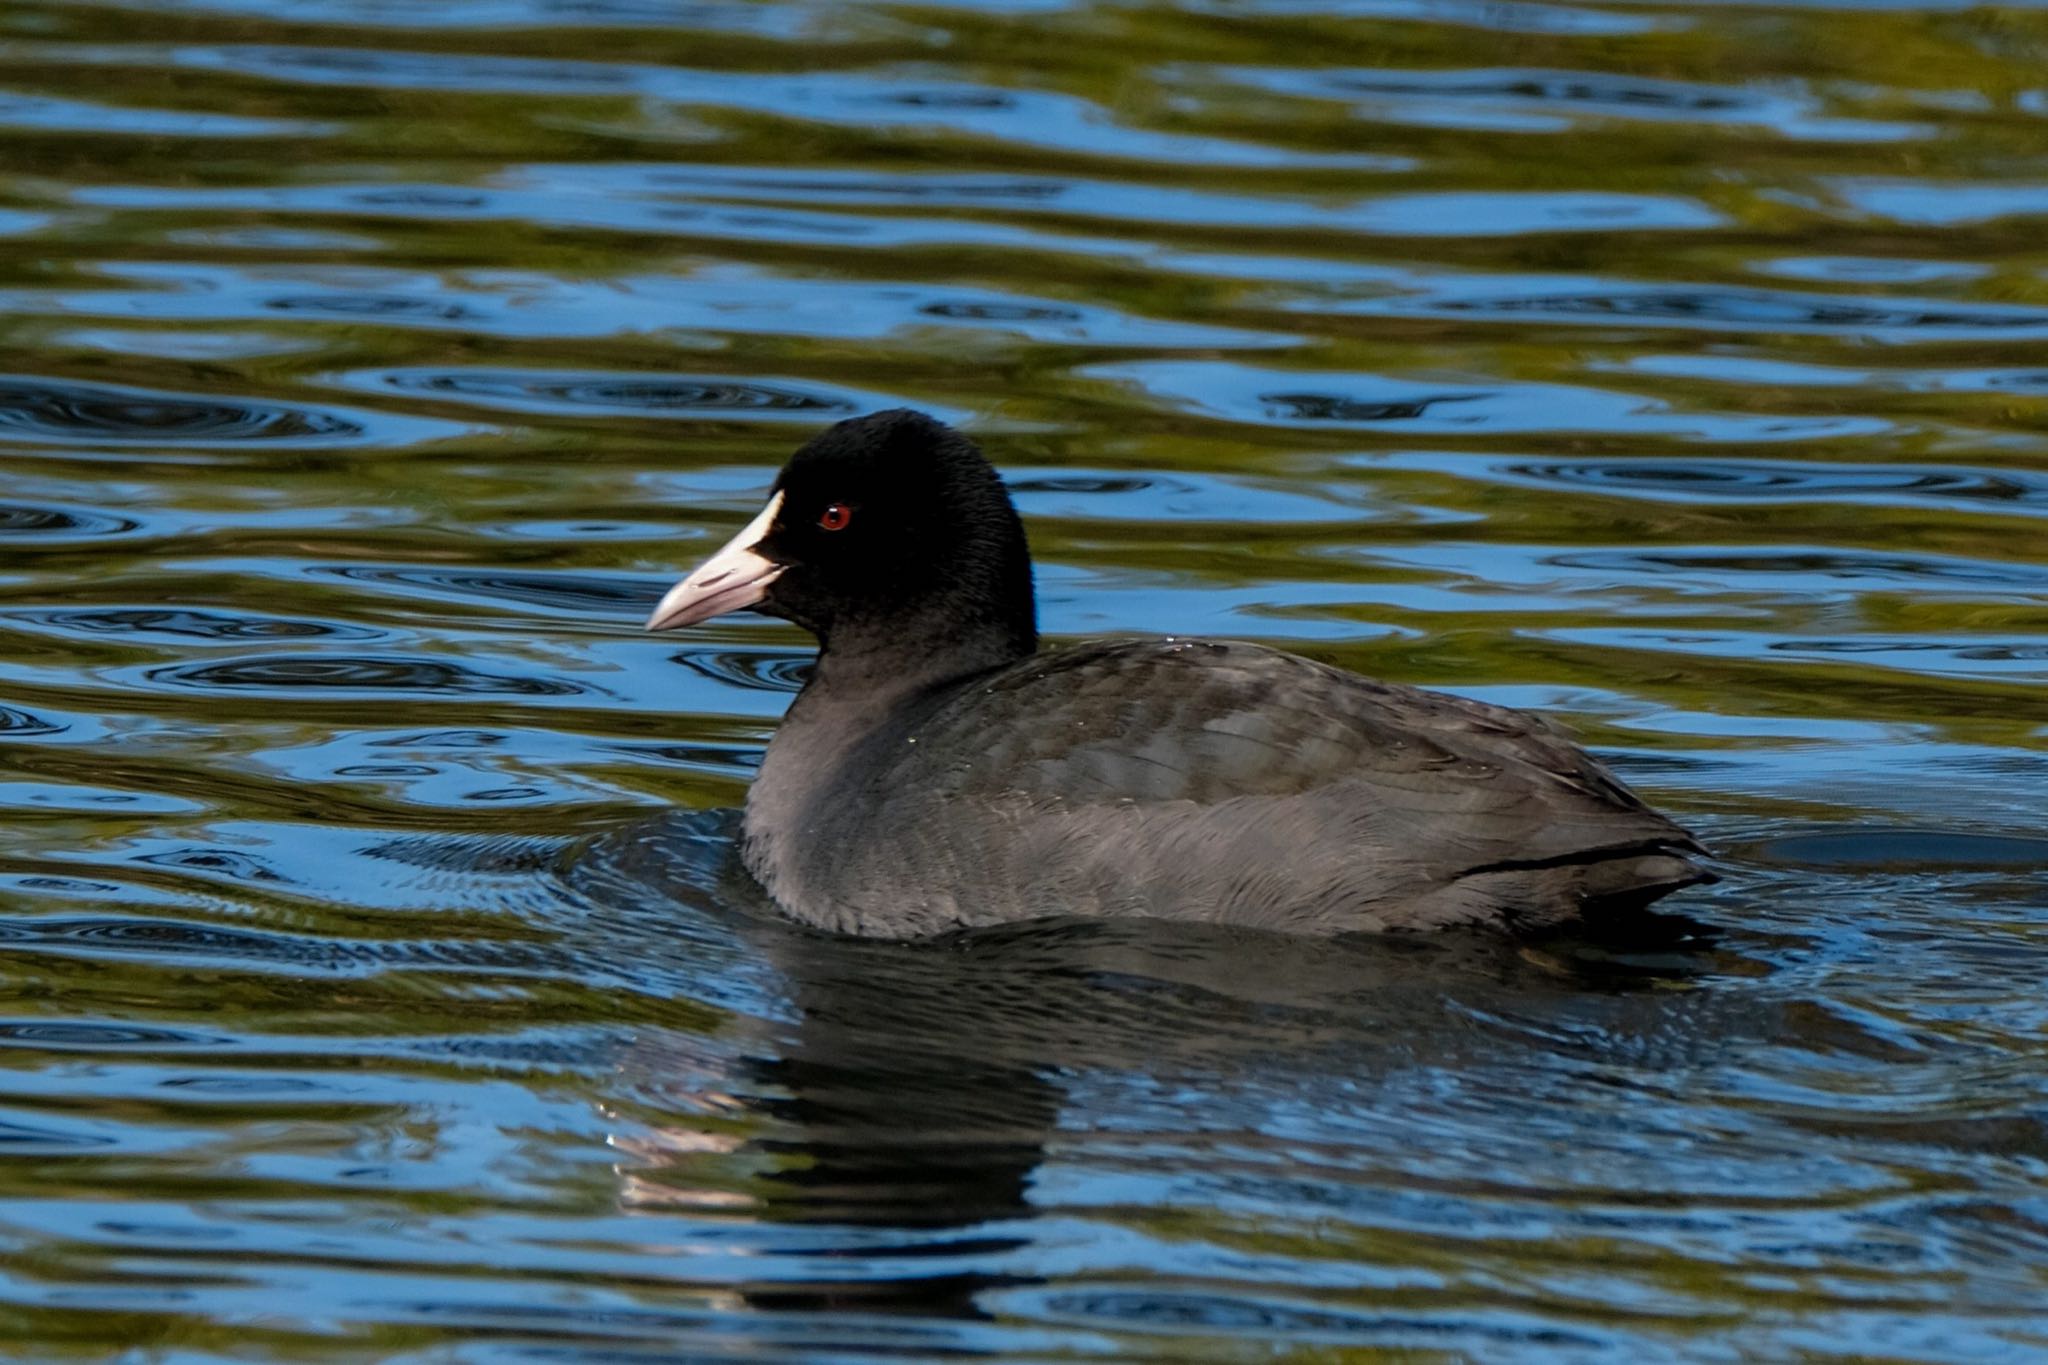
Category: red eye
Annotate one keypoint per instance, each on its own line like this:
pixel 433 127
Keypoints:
pixel 835 517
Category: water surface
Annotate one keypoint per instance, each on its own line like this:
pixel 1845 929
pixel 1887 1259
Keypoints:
pixel 379 984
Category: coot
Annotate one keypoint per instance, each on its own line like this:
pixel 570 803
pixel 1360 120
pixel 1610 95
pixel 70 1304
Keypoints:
pixel 937 772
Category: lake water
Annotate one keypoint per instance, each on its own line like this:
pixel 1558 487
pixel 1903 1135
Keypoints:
pixel 378 982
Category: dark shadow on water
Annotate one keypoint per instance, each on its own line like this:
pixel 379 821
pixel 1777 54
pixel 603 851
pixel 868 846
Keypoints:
pixel 907 1105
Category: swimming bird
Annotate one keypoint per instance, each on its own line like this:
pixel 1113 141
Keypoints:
pixel 938 772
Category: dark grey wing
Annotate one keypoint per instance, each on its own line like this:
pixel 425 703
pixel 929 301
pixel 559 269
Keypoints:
pixel 1207 722
pixel 1195 765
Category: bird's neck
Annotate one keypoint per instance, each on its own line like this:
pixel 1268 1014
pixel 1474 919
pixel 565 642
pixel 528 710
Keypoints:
pixel 869 683
pixel 868 690
pixel 881 664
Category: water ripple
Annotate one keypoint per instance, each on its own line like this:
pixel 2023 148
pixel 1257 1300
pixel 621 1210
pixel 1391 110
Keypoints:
pixel 94 1036
pixel 1935 203
pixel 1750 370
pixel 1499 16
pixel 782 21
pixel 44 113
pixel 19 1139
pixel 175 939
pixel 1790 567
pixel 571 393
pixel 559 593
pixel 61 523
pixel 527 303
pixel 673 199
pixel 1150 496
pixel 1274 398
pixel 897 100
pixel 1534 100
pixel 218 862
pixel 1213 1312
pixel 753 670
pixel 192 624
pixel 1954 655
pixel 376 307
pixel 1429 214
pixel 1712 481
pixel 71 411
pixel 1706 307
pixel 16 723
pixel 340 674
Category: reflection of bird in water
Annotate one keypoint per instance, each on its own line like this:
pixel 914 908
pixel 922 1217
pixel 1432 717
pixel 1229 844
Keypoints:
pixel 851 1107
pixel 879 1113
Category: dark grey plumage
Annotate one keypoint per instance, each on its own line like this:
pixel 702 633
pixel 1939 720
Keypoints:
pixel 935 773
